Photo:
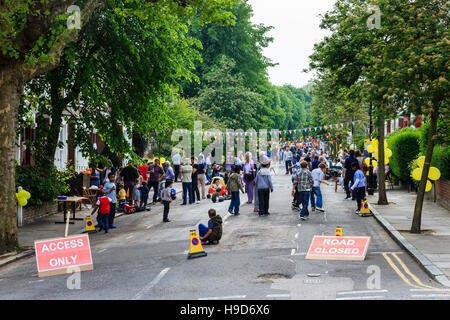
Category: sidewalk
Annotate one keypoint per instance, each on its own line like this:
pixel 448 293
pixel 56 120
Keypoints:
pixel 48 229
pixel 431 248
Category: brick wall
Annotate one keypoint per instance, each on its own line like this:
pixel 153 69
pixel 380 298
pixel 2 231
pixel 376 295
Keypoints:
pixel 36 213
pixel 442 193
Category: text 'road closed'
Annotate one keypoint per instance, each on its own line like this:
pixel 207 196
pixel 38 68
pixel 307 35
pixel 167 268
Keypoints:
pixel 338 248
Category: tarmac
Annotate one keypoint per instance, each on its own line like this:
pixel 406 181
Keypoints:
pixel 430 249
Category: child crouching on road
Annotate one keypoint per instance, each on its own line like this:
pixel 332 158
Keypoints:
pixel 213 232
pixel 103 205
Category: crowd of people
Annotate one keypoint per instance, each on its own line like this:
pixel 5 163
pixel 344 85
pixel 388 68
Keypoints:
pixel 202 178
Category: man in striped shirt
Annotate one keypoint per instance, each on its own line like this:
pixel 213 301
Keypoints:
pixel 303 182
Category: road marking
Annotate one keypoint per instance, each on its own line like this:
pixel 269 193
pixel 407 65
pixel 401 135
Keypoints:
pixel 103 250
pixel 399 273
pixel 33 281
pixel 292 252
pixel 223 298
pixel 300 254
pixel 129 237
pixel 148 227
pixel 427 290
pixel 151 284
pixel 278 296
pixel 430 295
pixel 363 291
pixel 417 280
pixel 296 236
pixel 360 298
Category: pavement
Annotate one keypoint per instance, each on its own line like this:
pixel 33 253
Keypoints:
pixel 258 258
pixel 429 248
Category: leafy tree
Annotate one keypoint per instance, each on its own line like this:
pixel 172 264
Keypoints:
pixel 225 98
pixel 33 36
pixel 241 41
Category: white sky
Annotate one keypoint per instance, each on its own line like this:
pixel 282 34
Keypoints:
pixel 296 30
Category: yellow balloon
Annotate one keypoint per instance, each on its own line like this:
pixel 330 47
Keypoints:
pixel 375 143
pixel 386 160
pixel 26 195
pixel 376 155
pixel 388 153
pixel 22 202
pixel 162 160
pixel 374 163
pixel 385 144
pixel 421 161
pixel 371 149
pixel 417 174
pixel 434 174
pixel 367 161
pixel 428 187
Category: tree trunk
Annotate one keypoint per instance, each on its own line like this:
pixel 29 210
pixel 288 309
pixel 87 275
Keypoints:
pixel 382 198
pixel 415 228
pixel 10 92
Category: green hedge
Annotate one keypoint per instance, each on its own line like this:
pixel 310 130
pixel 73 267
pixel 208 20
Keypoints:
pixel 441 160
pixel 405 146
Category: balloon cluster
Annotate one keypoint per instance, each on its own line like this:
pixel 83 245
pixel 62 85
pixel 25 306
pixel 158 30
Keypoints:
pixel 373 148
pixel 434 173
pixel 22 197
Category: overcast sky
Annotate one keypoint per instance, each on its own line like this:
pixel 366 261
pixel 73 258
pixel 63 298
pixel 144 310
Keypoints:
pixel 296 29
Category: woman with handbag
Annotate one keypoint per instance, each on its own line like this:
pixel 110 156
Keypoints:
pixel 249 176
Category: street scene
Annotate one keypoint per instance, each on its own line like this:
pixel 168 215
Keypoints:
pixel 234 150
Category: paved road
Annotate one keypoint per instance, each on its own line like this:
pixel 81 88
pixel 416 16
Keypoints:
pixel 258 258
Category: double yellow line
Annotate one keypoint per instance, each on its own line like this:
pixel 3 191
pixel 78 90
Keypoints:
pixel 416 281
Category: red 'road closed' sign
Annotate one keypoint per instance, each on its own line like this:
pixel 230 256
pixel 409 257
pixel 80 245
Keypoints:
pixel 56 256
pixel 338 248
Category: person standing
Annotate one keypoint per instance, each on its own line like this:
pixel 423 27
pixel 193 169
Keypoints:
pixel 170 175
pixel 359 186
pixel 156 176
pixel 176 160
pixel 167 199
pixel 318 176
pixel 186 176
pixel 348 173
pixel 194 179
pixel 264 186
pixel 287 158
pixel 202 175
pixel 302 184
pixel 233 187
pixel 249 176
pixel 129 175
pixel 110 192
pixel 103 206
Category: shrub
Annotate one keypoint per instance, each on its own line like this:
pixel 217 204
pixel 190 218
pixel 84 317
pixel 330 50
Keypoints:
pixel 405 146
pixel 441 160
pixel 44 187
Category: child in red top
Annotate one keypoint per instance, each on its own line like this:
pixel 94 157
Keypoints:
pixel 103 206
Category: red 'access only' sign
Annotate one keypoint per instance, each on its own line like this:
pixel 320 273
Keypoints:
pixel 56 256
pixel 338 248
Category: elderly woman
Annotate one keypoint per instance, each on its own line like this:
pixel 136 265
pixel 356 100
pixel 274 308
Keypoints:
pixel 249 175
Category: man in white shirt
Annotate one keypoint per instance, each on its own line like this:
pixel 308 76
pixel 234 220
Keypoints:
pixel 176 160
pixel 287 158
pixel 318 178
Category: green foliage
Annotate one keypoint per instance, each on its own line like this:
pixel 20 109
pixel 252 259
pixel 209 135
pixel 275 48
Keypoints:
pixel 44 186
pixel 441 160
pixel 225 98
pixel 442 136
pixel 405 146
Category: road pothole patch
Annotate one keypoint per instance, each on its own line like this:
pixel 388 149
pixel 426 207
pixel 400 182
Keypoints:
pixel 274 276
